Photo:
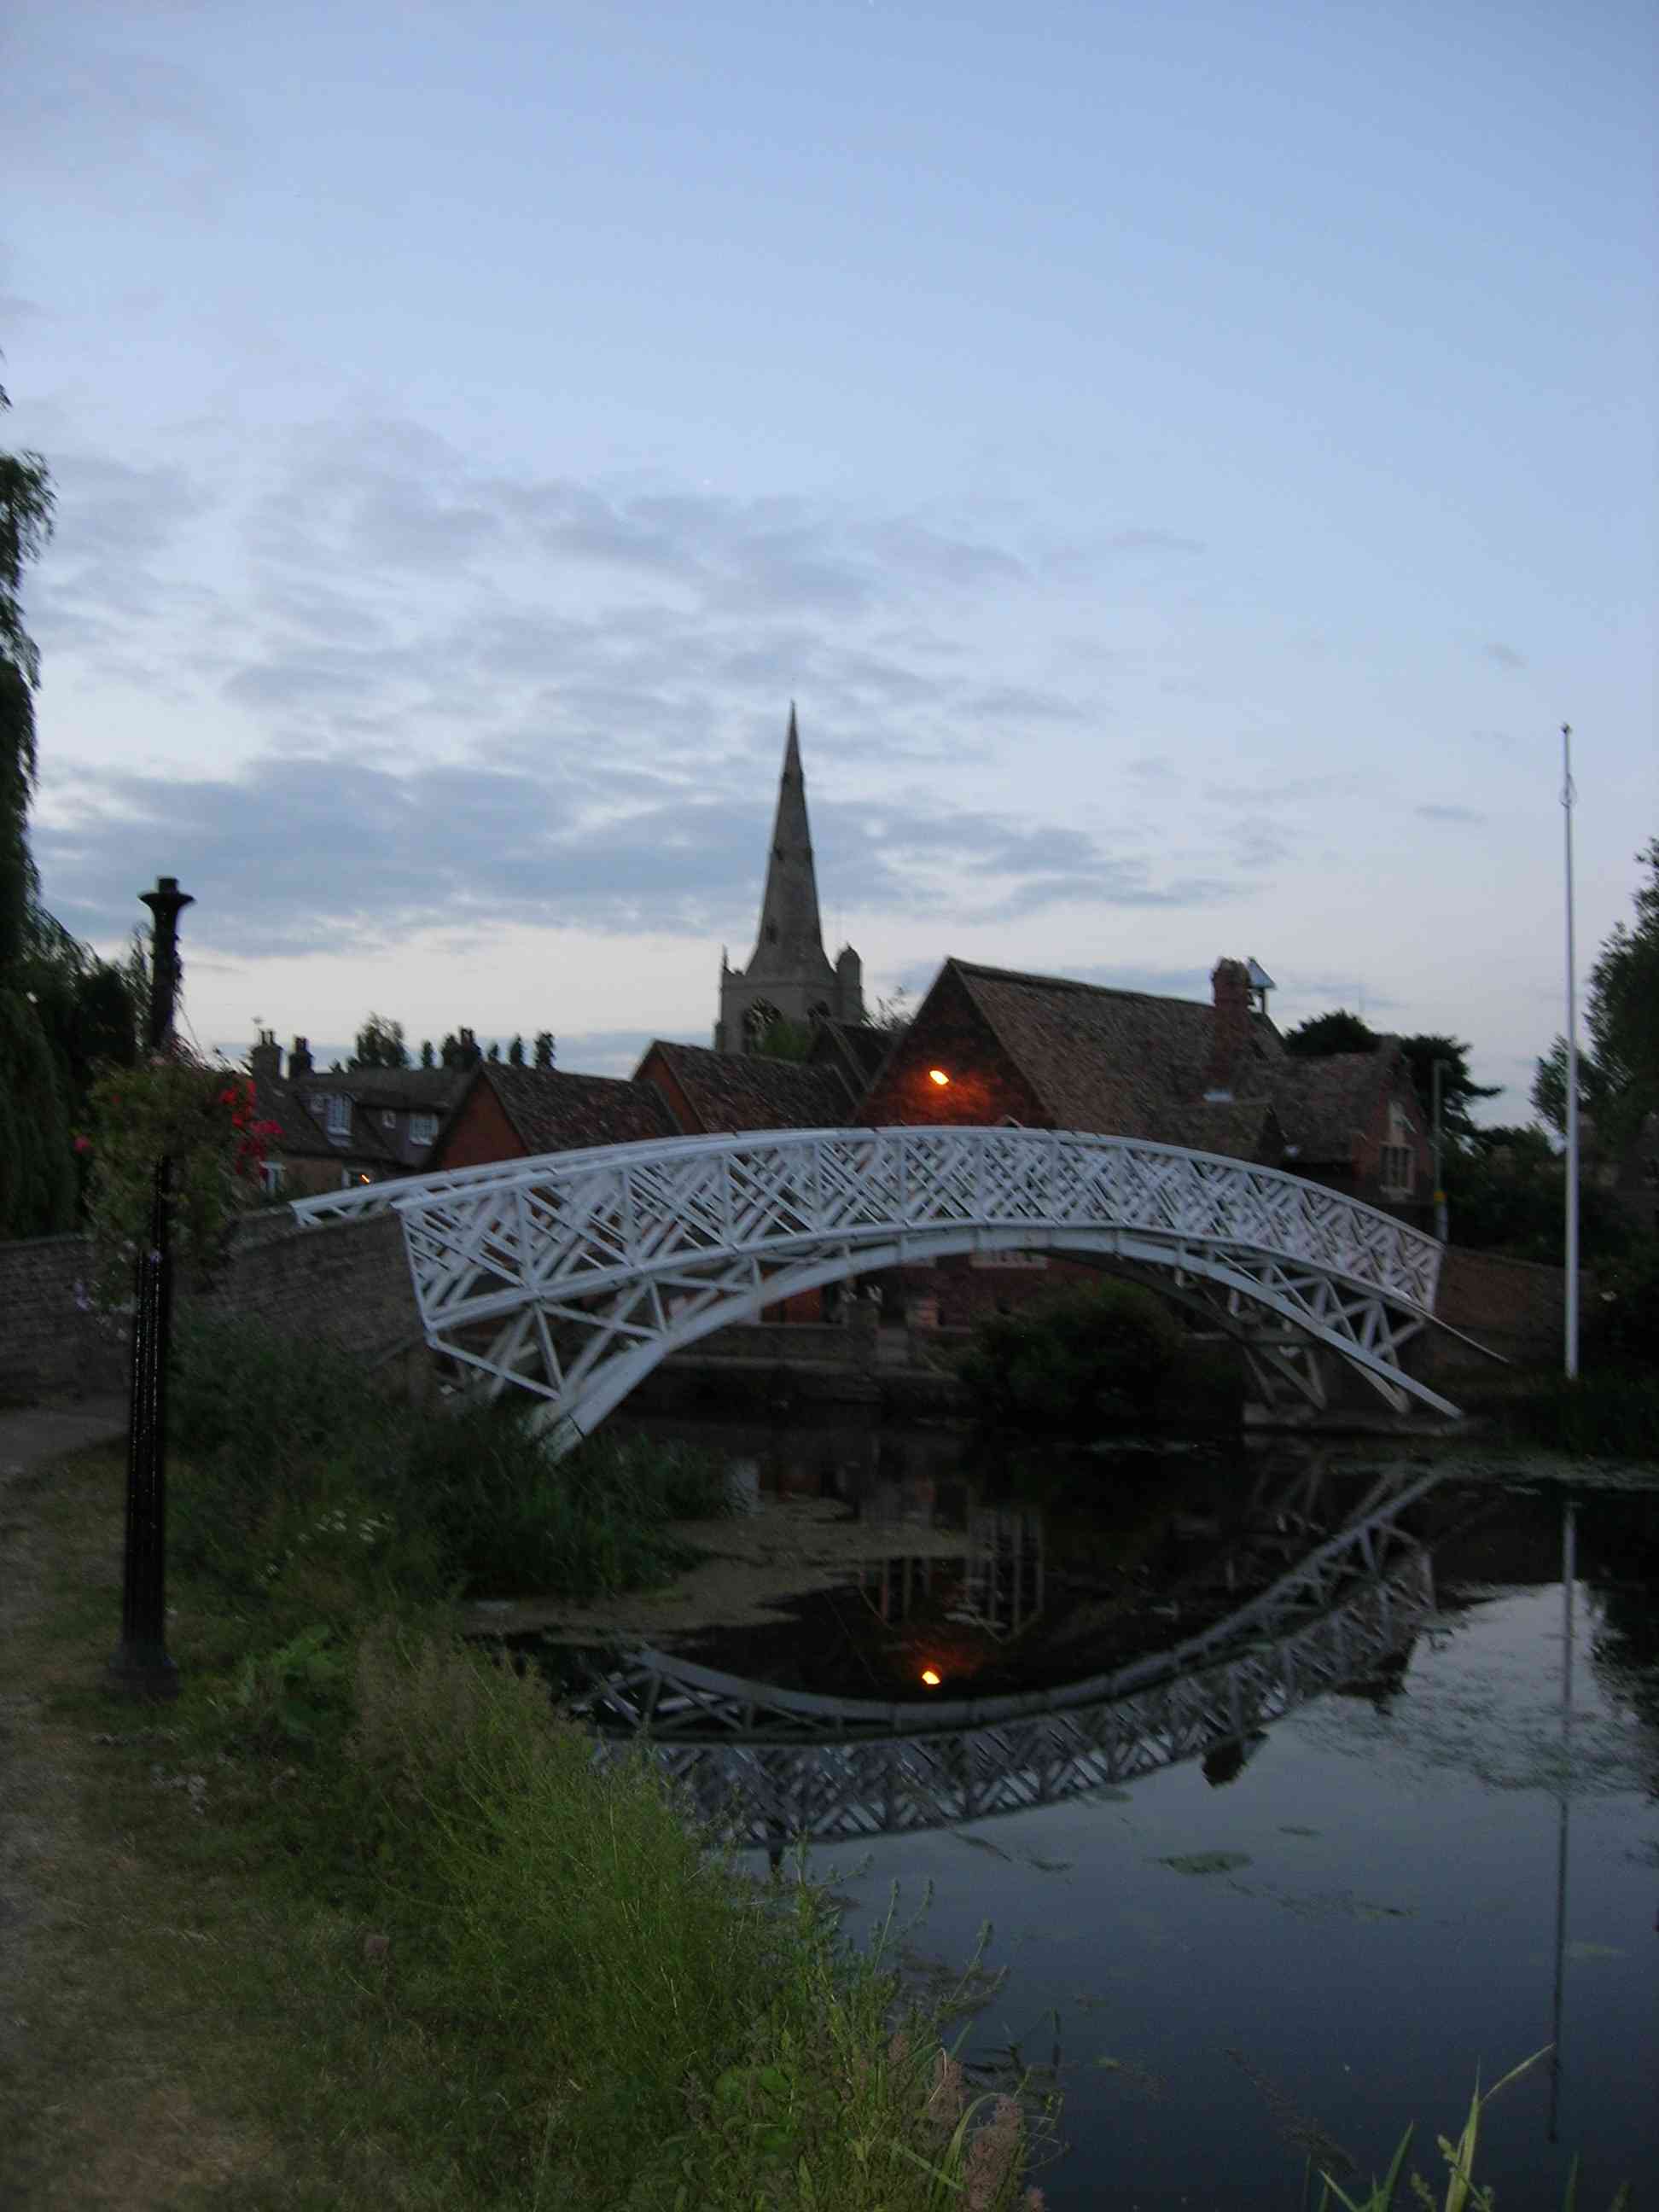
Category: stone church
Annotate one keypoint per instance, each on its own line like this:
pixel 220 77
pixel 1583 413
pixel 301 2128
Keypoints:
pixel 789 977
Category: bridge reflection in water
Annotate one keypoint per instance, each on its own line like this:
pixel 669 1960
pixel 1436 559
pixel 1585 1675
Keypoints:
pixel 1302 1602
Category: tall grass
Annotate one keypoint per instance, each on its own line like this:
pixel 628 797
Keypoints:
pixel 527 1979
pixel 633 2024
pixel 1463 2192
pixel 295 1470
pixel 1610 1414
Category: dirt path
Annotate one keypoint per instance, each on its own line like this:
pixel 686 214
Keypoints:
pixel 41 1837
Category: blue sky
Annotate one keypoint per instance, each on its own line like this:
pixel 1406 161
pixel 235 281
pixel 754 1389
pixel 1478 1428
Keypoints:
pixel 1186 463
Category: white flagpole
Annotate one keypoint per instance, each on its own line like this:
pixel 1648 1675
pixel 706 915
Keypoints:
pixel 1568 795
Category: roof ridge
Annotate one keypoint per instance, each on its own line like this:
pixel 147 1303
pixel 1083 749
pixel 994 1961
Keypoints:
pixel 1068 983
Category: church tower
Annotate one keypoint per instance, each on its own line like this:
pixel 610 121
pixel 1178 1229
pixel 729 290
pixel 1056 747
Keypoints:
pixel 788 976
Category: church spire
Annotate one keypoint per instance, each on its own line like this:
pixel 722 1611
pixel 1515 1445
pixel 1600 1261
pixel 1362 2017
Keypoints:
pixel 789 978
pixel 790 941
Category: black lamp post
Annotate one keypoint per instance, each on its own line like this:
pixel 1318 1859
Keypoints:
pixel 141 1667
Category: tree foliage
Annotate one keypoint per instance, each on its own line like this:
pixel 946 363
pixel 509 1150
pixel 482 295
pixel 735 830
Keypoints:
pixel 543 1048
pixel 1619 1064
pixel 206 1121
pixel 379 1044
pixel 1509 1197
pixel 37 1169
pixel 1339 1031
pixel 1085 1362
pixel 894 1015
pixel 1342 1031
pixel 782 1039
pixel 459 1049
pixel 1458 1088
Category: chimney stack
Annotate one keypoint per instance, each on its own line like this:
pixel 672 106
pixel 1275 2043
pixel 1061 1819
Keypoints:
pixel 1229 1034
pixel 299 1061
pixel 265 1062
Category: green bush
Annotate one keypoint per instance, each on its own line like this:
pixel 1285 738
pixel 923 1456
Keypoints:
pixel 1097 1360
pixel 1604 1415
pixel 1621 1321
pixel 302 1484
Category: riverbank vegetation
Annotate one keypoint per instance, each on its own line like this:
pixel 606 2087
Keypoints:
pixel 1610 1409
pixel 358 1922
pixel 1103 1361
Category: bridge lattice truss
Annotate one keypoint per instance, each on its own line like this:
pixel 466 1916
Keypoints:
pixel 769 1765
pixel 572 1275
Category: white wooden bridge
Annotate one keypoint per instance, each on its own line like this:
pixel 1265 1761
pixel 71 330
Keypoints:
pixel 572 1275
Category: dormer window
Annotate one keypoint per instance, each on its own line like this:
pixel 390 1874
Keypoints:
pixel 337 1116
pixel 423 1128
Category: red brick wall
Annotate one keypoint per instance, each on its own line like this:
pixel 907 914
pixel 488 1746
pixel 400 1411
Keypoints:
pixel 654 1070
pixel 1516 1307
pixel 479 1134
pixel 1368 1147
pixel 985 1086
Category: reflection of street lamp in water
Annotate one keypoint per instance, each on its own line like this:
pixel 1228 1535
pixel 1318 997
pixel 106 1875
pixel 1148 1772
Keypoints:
pixel 1568 1573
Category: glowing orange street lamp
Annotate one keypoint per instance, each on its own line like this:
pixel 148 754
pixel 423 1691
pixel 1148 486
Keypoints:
pixel 930 1677
pixel 937 1075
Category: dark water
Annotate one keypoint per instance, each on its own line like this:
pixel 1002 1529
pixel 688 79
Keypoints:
pixel 1304 1914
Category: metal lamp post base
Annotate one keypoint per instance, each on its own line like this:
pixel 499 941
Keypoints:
pixel 142 1671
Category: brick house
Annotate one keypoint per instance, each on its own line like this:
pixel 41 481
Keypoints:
pixel 356 1126
pixel 988 1045
pixel 720 1093
pixel 991 1045
pixel 507 1113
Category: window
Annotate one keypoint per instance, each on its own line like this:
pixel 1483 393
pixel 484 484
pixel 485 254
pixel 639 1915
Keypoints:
pixel 336 1118
pixel 1398 1167
pixel 758 1017
pixel 423 1128
pixel 270 1174
pixel 388 1119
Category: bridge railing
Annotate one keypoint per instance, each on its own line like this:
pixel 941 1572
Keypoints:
pixel 570 1223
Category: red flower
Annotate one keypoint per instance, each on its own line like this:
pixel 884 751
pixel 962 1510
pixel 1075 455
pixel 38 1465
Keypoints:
pixel 83 1144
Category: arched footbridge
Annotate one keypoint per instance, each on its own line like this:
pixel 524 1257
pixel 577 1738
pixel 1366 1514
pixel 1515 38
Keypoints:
pixel 572 1275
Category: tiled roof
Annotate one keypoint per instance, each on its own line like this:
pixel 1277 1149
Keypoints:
pixel 1241 1128
pixel 426 1090
pixel 858 1047
pixel 1325 1100
pixel 1124 1063
pixel 302 1134
pixel 739 1090
pixel 553 1112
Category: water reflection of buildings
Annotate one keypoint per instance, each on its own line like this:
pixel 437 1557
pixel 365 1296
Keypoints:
pixel 994 1584
pixel 1345 1604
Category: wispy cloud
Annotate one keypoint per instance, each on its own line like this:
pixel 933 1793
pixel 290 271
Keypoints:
pixel 474 701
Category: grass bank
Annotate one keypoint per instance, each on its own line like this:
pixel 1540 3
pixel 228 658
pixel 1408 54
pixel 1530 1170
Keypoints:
pixel 355 1922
